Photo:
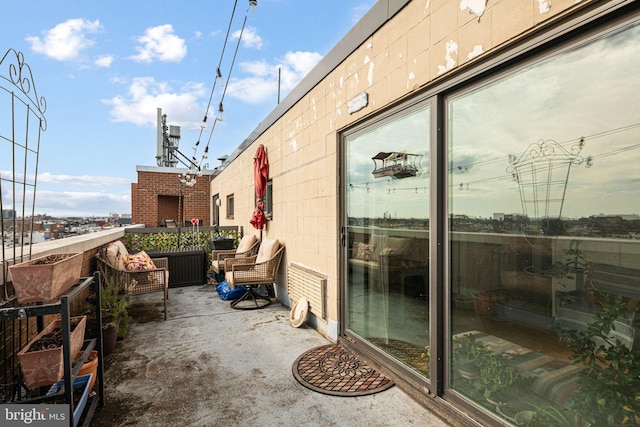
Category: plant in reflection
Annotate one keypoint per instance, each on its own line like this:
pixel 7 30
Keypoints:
pixel 486 372
pixel 578 269
pixel 426 355
pixel 609 382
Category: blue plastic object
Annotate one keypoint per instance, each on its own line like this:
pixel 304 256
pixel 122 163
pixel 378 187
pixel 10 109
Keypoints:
pixel 226 293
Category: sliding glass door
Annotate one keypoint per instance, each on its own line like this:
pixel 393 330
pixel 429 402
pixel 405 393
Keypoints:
pixel 544 209
pixel 387 236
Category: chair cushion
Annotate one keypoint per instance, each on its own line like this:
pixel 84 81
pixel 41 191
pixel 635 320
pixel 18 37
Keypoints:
pixel 378 242
pixel 246 243
pixel 117 255
pixel 217 266
pixel 363 251
pixel 267 250
pixel 397 246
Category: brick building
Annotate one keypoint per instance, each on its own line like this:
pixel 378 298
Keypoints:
pixel 159 196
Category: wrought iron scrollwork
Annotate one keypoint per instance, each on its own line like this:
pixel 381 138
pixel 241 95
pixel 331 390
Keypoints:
pixel 547 150
pixel 542 173
pixel 19 74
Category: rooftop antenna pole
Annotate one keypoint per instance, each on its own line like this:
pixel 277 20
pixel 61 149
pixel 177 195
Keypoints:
pixel 159 137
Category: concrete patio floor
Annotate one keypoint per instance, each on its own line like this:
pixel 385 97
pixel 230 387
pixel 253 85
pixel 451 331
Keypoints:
pixel 210 365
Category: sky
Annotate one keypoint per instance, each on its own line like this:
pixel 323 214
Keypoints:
pixel 105 67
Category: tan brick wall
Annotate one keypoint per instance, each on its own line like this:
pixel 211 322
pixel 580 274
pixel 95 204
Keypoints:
pixel 427 39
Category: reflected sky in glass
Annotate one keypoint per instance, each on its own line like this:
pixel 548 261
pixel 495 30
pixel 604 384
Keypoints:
pixel 590 93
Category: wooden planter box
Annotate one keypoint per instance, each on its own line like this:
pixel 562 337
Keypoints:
pixel 34 281
pixel 45 367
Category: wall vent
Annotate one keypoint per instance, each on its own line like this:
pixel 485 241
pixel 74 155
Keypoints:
pixel 303 282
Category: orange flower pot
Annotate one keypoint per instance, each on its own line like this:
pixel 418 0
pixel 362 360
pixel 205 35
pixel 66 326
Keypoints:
pixel 90 367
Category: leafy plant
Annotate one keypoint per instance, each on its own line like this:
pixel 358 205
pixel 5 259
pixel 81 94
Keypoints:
pixel 577 267
pixel 163 241
pixel 575 257
pixel 487 372
pixel 609 393
pixel 468 349
pixel 426 354
pixel 114 310
pixel 546 416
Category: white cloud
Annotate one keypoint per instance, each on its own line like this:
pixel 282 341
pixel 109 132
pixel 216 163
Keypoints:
pixel 79 203
pixel 261 83
pixel 104 61
pixel 49 178
pixel 160 43
pixel 250 38
pixel 107 197
pixel 67 40
pixel 145 95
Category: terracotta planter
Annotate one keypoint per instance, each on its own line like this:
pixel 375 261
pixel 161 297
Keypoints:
pixel 90 367
pixel 45 367
pixel 485 304
pixel 35 281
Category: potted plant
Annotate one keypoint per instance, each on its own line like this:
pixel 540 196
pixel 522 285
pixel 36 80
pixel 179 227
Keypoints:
pixel 579 269
pixel 44 279
pixel 486 372
pixel 466 351
pixel 115 318
pixel 90 367
pixel 41 360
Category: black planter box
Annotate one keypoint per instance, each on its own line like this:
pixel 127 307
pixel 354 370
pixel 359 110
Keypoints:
pixel 186 266
pixel 221 244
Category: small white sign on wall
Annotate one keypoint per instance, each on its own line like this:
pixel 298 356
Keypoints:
pixel 358 102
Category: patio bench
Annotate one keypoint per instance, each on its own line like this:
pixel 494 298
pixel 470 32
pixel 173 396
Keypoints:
pixel 133 274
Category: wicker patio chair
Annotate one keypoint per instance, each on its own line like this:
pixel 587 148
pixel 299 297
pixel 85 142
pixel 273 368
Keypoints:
pixel 254 271
pixel 247 247
pixel 133 282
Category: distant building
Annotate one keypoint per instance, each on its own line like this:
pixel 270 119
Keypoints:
pixel 159 196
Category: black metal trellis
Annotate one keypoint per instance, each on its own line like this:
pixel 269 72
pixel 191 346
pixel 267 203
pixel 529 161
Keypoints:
pixel 22 121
